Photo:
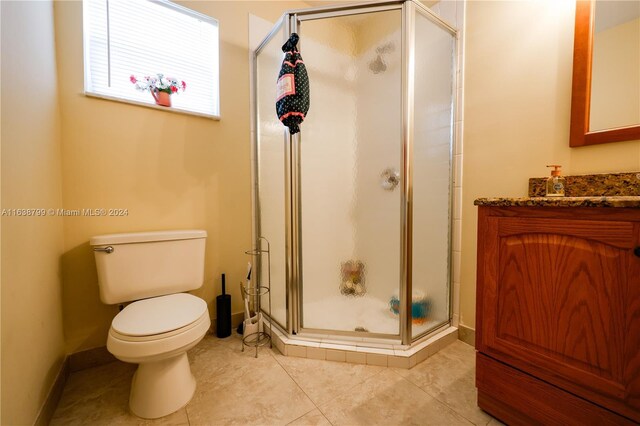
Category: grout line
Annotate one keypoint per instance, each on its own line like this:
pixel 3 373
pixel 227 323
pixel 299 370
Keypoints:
pixel 353 387
pixel 325 417
pixel 296 383
pixel 187 412
pixel 284 363
pixel 270 352
pixel 395 371
pixel 437 399
pixel 298 418
pixel 449 406
pixel 336 396
pixel 347 390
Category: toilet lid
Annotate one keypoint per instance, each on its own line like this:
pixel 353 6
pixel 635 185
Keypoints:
pixel 159 315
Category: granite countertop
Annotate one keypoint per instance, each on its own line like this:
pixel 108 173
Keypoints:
pixel 602 201
pixel 606 184
pixel 600 190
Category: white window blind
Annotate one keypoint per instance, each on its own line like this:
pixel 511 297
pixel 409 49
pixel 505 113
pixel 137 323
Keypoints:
pixel 145 38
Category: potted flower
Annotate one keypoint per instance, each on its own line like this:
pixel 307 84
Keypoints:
pixel 161 87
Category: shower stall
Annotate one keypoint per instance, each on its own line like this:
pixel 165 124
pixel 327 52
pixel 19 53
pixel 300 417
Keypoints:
pixel 357 206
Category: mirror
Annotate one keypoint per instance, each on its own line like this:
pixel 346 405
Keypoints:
pixel 605 104
pixel 615 69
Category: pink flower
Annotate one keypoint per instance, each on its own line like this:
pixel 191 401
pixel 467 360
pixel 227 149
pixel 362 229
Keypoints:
pixel 157 83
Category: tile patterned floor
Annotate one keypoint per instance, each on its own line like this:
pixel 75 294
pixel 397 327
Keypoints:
pixel 237 389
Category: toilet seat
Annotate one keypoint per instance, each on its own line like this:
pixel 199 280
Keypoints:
pixel 127 338
pixel 160 346
pixel 174 323
pixel 158 316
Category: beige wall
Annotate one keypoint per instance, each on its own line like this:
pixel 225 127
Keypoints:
pixel 32 335
pixel 170 171
pixel 517 104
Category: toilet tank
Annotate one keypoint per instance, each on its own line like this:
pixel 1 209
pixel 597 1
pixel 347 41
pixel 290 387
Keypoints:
pixel 148 264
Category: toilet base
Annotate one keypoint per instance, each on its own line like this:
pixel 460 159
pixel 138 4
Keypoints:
pixel 162 387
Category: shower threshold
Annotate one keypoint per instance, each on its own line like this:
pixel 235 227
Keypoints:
pixel 371 351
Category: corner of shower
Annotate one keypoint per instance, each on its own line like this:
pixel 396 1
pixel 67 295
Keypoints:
pixel 357 206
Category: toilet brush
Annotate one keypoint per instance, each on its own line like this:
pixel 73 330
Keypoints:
pixel 223 310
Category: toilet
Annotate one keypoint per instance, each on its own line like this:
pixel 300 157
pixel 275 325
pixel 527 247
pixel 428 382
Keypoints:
pixel 151 271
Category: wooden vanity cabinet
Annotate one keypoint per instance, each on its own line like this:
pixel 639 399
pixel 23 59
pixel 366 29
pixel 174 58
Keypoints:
pixel 558 314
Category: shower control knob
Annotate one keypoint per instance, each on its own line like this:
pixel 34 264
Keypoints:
pixel 389 179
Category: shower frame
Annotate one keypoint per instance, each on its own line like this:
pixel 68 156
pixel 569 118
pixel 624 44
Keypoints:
pixel 291 22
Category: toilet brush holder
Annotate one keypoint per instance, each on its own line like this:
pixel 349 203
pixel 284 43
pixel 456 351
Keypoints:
pixel 253 325
pixel 223 313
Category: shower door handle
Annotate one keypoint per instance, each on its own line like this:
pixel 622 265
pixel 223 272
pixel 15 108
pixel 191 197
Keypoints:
pixel 389 179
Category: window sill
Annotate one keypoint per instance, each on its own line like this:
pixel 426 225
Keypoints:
pixel 161 108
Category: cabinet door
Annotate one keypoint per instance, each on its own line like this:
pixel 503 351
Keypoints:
pixel 560 299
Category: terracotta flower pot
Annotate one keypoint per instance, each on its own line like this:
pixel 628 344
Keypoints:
pixel 161 98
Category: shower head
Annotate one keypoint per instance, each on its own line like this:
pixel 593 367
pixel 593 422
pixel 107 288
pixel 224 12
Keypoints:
pixel 378 65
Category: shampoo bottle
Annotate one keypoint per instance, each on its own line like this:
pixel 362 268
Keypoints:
pixel 555 183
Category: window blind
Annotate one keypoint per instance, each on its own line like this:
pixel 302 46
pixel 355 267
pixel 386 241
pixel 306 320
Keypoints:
pixel 144 38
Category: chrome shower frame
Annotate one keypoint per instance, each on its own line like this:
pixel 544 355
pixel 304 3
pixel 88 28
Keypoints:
pixel 291 22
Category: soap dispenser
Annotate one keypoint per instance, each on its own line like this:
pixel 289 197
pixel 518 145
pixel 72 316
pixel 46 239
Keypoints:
pixel 555 183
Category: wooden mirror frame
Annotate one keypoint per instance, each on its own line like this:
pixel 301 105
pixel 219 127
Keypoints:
pixel 581 91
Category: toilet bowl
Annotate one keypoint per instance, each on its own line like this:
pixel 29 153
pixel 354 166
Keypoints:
pixel 152 270
pixel 156 333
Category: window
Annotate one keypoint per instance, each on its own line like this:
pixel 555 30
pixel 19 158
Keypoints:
pixel 146 38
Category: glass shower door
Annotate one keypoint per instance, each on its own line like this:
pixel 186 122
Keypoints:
pixel 432 148
pixel 270 175
pixel 350 167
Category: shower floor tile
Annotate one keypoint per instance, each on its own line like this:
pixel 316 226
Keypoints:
pixel 236 388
